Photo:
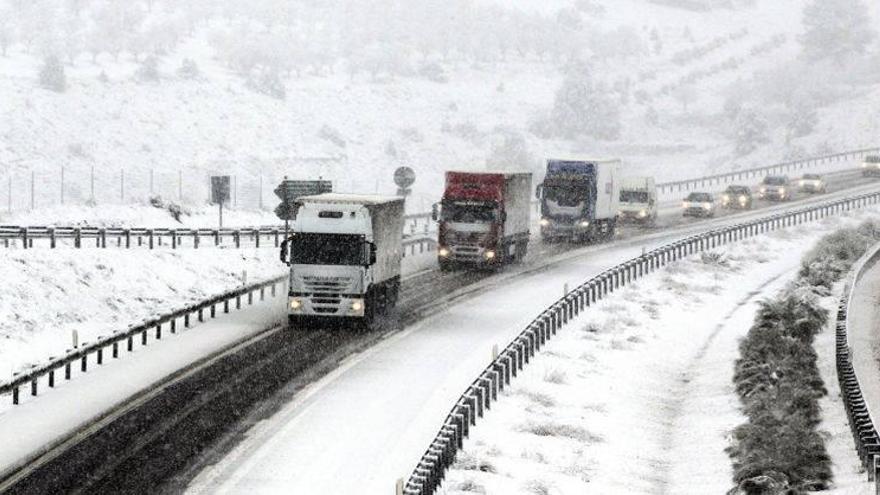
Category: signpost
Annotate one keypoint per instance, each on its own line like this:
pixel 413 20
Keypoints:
pixel 291 190
pixel 404 177
pixel 220 192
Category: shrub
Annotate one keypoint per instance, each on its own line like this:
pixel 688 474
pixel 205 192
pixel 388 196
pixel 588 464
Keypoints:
pixel 52 75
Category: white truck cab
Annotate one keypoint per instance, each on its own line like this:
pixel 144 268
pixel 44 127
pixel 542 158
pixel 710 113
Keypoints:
pixel 344 254
pixel 638 200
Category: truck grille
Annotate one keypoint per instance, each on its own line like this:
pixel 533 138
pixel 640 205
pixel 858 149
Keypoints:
pixel 474 238
pixel 326 292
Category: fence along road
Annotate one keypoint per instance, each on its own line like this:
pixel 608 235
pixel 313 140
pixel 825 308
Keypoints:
pixel 430 470
pixel 857 369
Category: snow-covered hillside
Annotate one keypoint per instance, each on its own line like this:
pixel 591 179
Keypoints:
pixel 668 69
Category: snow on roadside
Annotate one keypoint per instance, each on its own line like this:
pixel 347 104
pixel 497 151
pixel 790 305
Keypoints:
pixel 47 294
pixel 636 395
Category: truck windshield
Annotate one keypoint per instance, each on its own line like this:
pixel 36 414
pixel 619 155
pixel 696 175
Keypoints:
pixel 327 249
pixel 634 196
pixel 564 196
pixel 469 212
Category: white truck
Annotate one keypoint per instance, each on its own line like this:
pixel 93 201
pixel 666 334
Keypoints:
pixel 580 199
pixel 638 200
pixel 344 254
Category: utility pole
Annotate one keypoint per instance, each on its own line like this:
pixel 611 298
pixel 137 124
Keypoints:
pixel 62 184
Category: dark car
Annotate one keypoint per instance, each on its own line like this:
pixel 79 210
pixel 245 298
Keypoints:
pixel 737 198
pixel 699 204
pixel 776 188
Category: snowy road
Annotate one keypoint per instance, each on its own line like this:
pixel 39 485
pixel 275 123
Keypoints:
pixel 362 427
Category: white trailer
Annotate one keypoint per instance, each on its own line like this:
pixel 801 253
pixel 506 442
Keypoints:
pixel 344 254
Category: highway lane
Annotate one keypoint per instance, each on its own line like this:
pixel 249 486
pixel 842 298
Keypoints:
pixel 179 436
pixel 366 424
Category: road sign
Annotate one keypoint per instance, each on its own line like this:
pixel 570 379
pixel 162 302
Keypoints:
pixel 404 177
pixel 220 189
pixel 291 190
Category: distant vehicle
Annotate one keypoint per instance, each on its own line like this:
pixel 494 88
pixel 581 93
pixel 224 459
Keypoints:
pixel 484 219
pixel 871 166
pixel 737 198
pixel 776 188
pixel 344 255
pixel 579 199
pixel 638 200
pixel 812 183
pixel 699 204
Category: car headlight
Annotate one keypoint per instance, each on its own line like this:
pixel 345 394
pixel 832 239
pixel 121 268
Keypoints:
pixel 357 305
pixel 443 252
pixel 296 304
pixel 545 222
pixel 490 255
pixel 585 223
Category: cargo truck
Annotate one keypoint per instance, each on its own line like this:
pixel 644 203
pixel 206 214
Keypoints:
pixel 580 199
pixel 344 254
pixel 483 219
pixel 638 200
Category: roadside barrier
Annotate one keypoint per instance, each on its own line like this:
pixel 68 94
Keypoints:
pixel 861 418
pixel 743 176
pixel 431 469
pixel 137 336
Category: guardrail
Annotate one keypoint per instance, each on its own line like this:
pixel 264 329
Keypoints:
pixel 860 417
pixel 703 183
pixel 142 333
pixel 151 238
pixel 477 398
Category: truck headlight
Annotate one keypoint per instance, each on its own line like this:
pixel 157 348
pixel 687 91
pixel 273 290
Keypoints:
pixel 545 222
pixel 781 190
pixel 803 183
pixel 357 305
pixel 707 206
pixel 685 204
pixel 763 190
pixel 443 252
pixel 585 224
pixel 743 199
pixel 296 304
pixel 643 213
pixel 725 198
pixel 490 255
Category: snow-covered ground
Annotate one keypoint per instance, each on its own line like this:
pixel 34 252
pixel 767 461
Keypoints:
pixel 366 410
pixel 636 396
pixel 357 130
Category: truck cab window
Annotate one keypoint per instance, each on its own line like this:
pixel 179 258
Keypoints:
pixel 634 196
pixel 469 212
pixel 564 196
pixel 327 249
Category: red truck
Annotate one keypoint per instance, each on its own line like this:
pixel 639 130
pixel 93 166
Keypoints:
pixel 483 219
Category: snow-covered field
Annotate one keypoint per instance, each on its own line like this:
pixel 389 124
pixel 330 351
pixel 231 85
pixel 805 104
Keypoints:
pixel 356 130
pixel 636 396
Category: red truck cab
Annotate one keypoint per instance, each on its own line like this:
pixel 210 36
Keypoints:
pixel 483 219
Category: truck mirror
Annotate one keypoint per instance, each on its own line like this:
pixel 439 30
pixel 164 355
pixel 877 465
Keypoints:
pixel 503 216
pixel 369 253
pixel 435 212
pixel 372 254
pixel 539 190
pixel 285 252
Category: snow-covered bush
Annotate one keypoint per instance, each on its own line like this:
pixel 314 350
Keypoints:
pixel 750 132
pixel 149 69
pixel 510 152
pixel 52 75
pixel 188 69
pixel 582 108
pixel 267 82
pixel 836 29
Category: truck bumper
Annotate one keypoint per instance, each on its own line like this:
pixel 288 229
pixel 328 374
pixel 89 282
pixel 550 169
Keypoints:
pixel 330 306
